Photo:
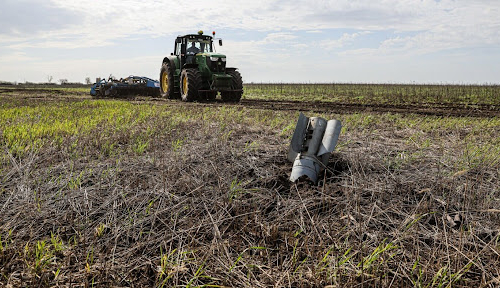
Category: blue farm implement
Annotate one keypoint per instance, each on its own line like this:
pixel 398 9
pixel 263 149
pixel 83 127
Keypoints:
pixel 130 86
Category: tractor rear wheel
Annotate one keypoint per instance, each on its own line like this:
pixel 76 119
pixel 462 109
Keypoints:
pixel 167 81
pixel 236 87
pixel 190 84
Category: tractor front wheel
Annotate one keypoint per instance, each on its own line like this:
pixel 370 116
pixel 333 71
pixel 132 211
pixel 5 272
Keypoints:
pixel 190 84
pixel 235 94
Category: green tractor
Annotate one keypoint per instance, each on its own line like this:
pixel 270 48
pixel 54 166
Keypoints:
pixel 195 72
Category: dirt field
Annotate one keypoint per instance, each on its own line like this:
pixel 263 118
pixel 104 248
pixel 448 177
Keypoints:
pixel 157 193
pixel 423 108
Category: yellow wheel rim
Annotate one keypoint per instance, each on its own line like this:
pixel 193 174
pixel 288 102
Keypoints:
pixel 164 82
pixel 184 85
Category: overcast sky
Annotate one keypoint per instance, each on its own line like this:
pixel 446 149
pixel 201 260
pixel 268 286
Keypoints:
pixel 422 41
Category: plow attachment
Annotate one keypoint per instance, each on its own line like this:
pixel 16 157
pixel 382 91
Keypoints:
pixel 130 86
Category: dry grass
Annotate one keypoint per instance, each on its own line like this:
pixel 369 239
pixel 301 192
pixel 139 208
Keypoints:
pixel 405 201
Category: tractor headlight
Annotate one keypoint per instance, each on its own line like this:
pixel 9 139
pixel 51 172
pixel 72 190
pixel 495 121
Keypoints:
pixel 223 59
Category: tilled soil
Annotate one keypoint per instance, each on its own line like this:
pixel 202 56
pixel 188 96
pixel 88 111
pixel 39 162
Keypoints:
pixel 435 109
pixel 432 109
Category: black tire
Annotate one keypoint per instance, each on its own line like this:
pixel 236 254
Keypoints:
pixel 96 94
pixel 236 86
pixel 167 81
pixel 100 93
pixel 190 84
pixel 212 95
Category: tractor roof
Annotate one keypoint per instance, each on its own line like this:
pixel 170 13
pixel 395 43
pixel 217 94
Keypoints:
pixel 196 36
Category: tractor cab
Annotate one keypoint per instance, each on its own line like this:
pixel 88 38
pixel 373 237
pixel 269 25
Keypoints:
pixel 187 46
pixel 199 46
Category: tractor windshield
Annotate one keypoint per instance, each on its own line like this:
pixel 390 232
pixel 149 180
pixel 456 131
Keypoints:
pixel 199 46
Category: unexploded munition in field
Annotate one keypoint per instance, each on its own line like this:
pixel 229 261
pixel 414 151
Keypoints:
pixel 312 143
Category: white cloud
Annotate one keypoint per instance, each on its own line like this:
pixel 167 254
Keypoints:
pixel 410 28
pixel 119 18
pixel 99 24
pixel 279 37
pixel 15 57
pixel 344 40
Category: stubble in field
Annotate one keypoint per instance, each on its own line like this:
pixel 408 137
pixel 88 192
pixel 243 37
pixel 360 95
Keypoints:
pixel 115 193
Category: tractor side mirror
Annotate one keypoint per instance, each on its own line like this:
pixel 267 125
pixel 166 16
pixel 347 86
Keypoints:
pixel 220 42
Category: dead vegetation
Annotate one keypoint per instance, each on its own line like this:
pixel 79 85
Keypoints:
pixel 206 202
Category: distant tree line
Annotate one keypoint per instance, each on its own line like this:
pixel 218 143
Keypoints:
pixel 62 82
pixel 6 83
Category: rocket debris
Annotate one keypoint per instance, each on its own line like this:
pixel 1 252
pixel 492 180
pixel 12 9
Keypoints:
pixel 312 143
